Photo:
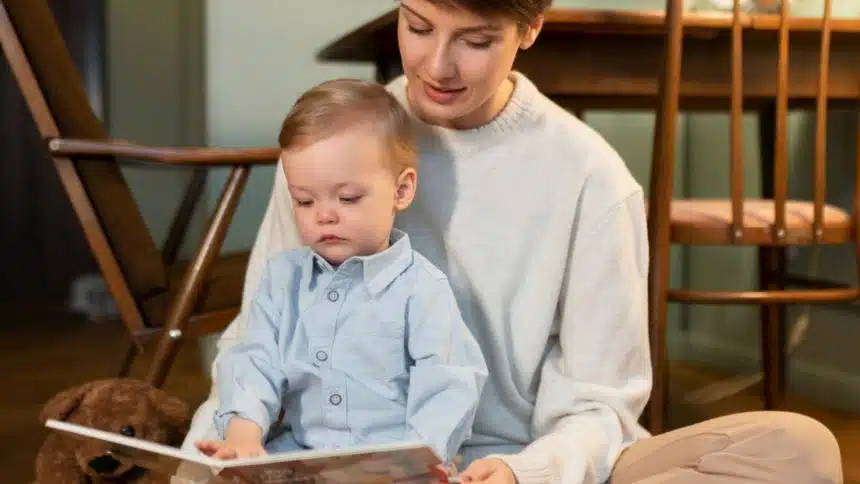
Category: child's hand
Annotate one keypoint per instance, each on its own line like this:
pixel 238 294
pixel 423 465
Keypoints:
pixel 226 450
pixel 244 439
pixel 488 471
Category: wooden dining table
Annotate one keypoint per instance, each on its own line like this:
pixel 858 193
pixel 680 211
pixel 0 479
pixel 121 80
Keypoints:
pixel 611 59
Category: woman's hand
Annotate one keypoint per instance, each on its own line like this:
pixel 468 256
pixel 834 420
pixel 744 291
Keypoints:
pixel 488 471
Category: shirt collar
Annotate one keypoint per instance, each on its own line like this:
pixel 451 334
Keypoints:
pixel 377 271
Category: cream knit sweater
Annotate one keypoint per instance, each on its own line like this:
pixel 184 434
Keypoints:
pixel 541 230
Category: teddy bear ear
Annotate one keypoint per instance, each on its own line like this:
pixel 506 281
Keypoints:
pixel 61 405
pixel 173 409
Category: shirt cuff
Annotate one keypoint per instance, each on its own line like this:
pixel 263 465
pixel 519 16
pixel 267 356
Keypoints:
pixel 528 468
pixel 246 408
pixel 412 435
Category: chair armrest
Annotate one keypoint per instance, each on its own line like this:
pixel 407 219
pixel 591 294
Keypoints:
pixel 169 155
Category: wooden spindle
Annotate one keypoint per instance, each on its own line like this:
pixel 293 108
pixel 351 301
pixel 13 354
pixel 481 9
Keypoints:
pixel 780 162
pixel 820 164
pixel 737 165
pixel 857 188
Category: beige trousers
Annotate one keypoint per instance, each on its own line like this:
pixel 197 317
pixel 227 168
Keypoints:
pixel 752 447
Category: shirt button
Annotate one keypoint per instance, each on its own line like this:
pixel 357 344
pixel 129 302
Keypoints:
pixel 333 296
pixel 335 399
pixel 322 355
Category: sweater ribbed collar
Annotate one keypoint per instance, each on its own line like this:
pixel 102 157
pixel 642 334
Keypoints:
pixel 520 113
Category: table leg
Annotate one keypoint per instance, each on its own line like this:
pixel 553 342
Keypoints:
pixel 772 275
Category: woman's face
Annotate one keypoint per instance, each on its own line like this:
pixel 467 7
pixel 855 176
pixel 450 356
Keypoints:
pixel 457 63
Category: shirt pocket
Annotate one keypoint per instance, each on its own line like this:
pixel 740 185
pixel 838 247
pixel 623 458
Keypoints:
pixel 376 354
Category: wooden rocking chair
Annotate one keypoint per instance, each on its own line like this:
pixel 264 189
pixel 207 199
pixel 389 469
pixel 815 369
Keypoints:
pixel 156 295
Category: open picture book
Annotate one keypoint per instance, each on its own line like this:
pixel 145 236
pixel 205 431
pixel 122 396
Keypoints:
pixel 401 462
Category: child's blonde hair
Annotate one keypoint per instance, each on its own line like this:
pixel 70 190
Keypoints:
pixel 340 104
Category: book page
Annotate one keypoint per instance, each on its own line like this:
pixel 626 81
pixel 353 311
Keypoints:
pixel 406 464
pixel 403 462
pixel 157 457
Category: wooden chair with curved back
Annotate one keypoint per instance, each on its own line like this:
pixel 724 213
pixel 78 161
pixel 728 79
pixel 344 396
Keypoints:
pixel 771 223
pixel 156 295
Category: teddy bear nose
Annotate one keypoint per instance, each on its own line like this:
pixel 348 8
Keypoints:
pixel 127 430
pixel 104 464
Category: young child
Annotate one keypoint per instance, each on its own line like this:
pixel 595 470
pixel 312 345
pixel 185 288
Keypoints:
pixel 357 336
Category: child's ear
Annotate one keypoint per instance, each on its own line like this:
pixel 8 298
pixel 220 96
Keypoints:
pixel 406 184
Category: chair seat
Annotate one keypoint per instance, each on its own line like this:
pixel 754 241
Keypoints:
pixel 221 290
pixel 708 222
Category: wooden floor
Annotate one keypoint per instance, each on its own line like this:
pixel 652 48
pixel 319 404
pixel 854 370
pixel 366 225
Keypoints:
pixel 43 352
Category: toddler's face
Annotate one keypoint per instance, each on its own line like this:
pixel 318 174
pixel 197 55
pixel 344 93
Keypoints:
pixel 345 194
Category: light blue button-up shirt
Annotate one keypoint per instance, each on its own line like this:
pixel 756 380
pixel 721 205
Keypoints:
pixel 373 351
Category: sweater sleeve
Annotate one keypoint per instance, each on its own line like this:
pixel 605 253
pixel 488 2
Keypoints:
pixel 596 378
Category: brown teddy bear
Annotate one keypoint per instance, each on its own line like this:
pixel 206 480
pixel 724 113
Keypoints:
pixel 122 405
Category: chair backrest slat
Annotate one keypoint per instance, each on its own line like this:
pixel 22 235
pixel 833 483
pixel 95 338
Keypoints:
pixel 820 163
pixel 780 150
pixel 856 214
pixel 736 128
pixel 60 106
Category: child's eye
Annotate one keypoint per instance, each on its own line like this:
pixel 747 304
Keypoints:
pixel 304 203
pixel 349 200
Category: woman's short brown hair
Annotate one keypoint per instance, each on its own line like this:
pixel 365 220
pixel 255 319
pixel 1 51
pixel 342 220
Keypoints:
pixel 341 104
pixel 523 12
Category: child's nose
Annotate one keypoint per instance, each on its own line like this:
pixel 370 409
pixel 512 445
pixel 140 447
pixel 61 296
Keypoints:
pixel 326 215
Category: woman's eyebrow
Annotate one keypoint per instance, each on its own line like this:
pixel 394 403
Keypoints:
pixel 414 12
pixel 463 30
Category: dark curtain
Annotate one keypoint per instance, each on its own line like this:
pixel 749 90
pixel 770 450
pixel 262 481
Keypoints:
pixel 42 247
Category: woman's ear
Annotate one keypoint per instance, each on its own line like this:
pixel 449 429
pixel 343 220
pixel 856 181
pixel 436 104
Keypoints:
pixel 405 187
pixel 531 33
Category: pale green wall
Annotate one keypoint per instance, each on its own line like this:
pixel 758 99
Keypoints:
pixel 260 57
pixel 155 80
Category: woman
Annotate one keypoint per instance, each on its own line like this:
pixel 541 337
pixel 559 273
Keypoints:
pixel 541 229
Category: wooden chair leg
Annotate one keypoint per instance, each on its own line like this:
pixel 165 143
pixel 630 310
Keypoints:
pixel 773 331
pixel 772 266
pixel 179 227
pixel 192 282
pixel 659 206
pixel 656 411
pixel 781 324
pixel 658 306
pixel 130 354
